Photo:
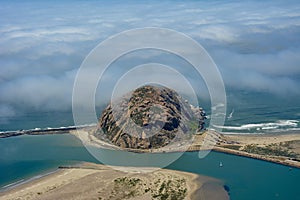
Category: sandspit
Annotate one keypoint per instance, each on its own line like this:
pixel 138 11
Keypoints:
pixel 94 181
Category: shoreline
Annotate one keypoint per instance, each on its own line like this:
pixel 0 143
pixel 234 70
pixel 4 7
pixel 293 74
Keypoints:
pixel 24 181
pixel 85 180
pixel 33 178
pixel 237 140
pixel 224 143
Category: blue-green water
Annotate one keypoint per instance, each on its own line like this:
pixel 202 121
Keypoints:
pixel 26 156
pixel 246 113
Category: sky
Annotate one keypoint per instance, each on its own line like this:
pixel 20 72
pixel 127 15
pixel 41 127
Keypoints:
pixel 255 44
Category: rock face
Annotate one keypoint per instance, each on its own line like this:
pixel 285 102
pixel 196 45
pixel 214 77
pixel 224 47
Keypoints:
pixel 149 117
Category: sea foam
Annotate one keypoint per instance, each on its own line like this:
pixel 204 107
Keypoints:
pixel 263 126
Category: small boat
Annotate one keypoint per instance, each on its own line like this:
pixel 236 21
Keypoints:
pixel 221 164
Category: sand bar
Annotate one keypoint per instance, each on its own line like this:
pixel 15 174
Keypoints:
pixel 93 181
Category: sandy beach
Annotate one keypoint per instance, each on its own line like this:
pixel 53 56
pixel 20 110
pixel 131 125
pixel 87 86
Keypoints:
pixel 93 181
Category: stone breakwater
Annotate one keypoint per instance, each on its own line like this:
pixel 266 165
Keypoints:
pixel 46 131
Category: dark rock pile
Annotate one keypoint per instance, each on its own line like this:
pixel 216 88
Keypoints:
pixel 149 117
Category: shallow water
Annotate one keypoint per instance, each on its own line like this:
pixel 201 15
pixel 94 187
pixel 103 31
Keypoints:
pixel 245 178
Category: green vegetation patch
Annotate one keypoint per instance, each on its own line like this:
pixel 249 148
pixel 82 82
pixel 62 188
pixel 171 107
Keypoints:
pixel 173 188
pixel 170 190
pixel 131 182
pixel 270 150
pixel 125 188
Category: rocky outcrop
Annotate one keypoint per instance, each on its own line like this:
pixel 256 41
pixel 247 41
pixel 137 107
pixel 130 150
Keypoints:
pixel 149 117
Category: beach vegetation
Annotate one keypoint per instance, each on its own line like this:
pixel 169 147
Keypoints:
pixel 125 187
pixel 270 150
pixel 171 190
pixel 127 181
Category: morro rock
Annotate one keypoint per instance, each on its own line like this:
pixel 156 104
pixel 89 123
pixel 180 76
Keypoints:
pixel 149 117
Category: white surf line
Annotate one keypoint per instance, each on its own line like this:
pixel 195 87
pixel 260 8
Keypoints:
pixel 276 124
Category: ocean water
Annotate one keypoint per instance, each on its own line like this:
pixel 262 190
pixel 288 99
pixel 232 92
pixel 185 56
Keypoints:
pixel 247 112
pixel 26 156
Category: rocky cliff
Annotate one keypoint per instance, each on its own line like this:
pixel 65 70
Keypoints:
pixel 149 117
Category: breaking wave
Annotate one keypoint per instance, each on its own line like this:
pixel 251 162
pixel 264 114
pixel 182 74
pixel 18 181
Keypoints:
pixel 280 124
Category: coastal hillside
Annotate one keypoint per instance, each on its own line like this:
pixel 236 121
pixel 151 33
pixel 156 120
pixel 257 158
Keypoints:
pixel 149 117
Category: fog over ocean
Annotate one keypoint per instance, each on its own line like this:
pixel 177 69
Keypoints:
pixel 255 45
